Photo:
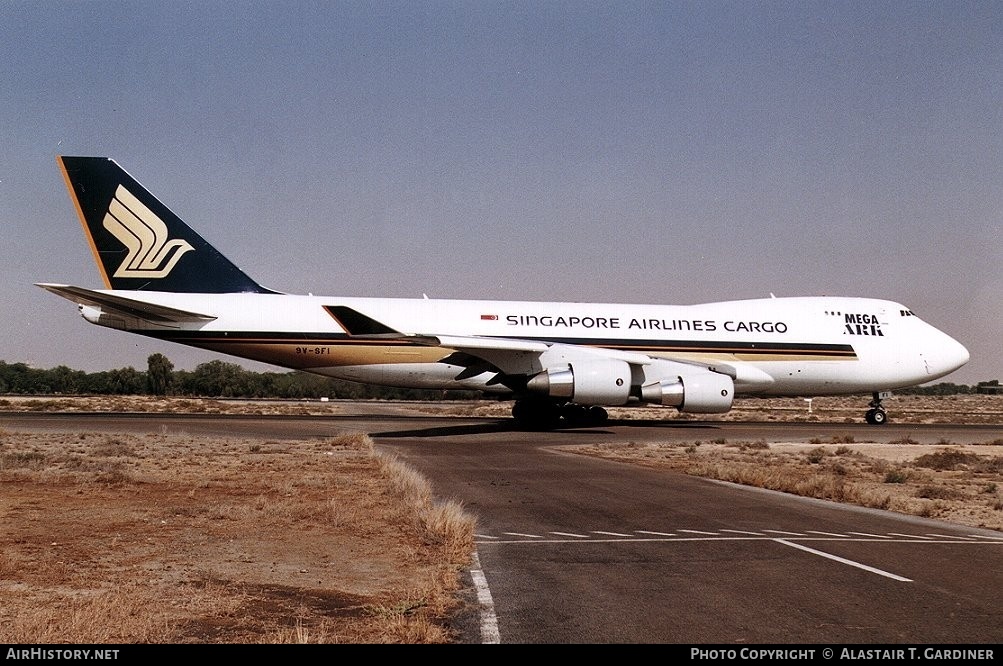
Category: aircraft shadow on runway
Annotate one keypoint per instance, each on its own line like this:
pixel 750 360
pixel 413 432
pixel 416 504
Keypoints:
pixel 508 425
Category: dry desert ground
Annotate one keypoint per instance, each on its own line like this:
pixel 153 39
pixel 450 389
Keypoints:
pixel 113 539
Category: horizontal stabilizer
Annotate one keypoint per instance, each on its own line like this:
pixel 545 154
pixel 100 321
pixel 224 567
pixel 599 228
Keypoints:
pixel 114 304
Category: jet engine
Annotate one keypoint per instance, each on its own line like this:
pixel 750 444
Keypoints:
pixel 699 392
pixel 590 382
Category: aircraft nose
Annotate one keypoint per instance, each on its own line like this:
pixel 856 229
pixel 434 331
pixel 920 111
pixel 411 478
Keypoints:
pixel 962 354
pixel 952 354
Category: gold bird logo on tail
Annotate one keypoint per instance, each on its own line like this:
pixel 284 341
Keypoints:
pixel 151 253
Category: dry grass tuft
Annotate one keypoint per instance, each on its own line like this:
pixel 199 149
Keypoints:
pixel 356 441
pixel 407 485
pixel 120 615
pixel 445 524
pixel 450 525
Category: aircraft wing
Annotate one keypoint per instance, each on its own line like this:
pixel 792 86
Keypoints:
pixel 510 354
pixel 124 306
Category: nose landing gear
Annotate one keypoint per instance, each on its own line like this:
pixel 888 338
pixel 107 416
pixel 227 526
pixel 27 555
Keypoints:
pixel 876 415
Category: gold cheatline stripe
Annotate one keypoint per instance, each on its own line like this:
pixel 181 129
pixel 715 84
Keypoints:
pixel 740 353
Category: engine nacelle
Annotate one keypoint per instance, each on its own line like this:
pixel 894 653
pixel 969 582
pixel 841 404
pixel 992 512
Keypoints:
pixel 697 392
pixel 591 382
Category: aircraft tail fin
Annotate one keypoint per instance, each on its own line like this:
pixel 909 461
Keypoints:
pixel 138 242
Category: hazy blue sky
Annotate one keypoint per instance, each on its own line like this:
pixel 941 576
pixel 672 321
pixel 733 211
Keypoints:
pixel 663 152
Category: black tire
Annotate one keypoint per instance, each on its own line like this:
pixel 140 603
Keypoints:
pixel 598 415
pixel 575 415
pixel 876 416
pixel 536 415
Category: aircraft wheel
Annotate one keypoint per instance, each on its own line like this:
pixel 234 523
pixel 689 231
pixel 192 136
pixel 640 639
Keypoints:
pixel 575 415
pixel 536 415
pixel 877 417
pixel 598 415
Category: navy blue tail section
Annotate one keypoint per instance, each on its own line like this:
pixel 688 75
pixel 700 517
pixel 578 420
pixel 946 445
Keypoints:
pixel 139 244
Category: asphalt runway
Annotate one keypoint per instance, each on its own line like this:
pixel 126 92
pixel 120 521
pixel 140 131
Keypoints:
pixel 572 549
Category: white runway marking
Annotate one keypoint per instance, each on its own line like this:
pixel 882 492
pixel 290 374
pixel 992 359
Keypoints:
pixel 684 535
pixel 489 621
pixel 844 561
pixel 832 534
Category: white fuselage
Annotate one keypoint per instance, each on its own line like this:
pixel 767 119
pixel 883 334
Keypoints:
pixel 777 346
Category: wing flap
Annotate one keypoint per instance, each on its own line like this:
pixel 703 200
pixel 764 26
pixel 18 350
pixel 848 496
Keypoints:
pixel 471 344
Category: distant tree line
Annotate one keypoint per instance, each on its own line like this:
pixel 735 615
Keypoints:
pixel 944 388
pixel 215 379
pixel 947 388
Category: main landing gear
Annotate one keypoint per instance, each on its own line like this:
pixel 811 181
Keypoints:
pixel 546 415
pixel 876 415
